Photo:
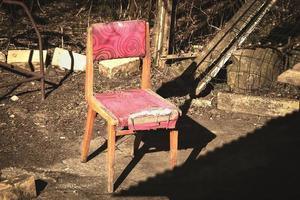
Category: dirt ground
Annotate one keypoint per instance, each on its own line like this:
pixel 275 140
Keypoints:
pixel 43 138
pixel 221 155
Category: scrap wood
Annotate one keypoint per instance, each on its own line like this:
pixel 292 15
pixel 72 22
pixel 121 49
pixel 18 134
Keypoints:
pixel 219 50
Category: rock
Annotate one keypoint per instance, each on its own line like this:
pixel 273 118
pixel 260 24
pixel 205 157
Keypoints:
pixel 26 184
pixel 20 187
pixel 14 98
pixel 26 59
pixel 200 102
pixel 256 105
pixel 111 68
pixel 7 192
pixel 63 58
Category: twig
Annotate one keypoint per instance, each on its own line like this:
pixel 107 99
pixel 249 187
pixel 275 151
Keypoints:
pixel 90 12
pixel 38 3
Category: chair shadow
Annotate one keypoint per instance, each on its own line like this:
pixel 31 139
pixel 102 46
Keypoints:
pixel 262 165
pixel 191 134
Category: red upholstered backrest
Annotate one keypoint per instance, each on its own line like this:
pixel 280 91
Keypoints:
pixel 119 39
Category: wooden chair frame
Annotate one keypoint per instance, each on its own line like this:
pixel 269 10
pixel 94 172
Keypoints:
pixel 94 107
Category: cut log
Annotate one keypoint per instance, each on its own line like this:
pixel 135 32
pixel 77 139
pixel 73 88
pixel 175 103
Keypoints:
pixel 219 50
pixel 26 59
pixel 290 76
pixel 113 67
pixel 63 58
pixel 253 69
pixel 256 105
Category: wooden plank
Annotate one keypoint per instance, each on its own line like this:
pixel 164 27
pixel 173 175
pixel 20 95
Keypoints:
pixel 290 76
pixel 180 56
pixel 256 105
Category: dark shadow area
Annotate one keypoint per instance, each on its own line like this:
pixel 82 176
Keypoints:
pixel 262 165
pixel 64 78
pixel 281 34
pixel 191 134
pixel 40 186
pixel 185 84
pixel 97 151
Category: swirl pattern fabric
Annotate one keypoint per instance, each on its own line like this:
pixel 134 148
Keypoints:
pixel 119 39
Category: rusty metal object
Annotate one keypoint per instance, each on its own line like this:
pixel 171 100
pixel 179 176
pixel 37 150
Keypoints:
pixel 36 76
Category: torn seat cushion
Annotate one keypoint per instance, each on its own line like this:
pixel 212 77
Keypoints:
pixel 139 109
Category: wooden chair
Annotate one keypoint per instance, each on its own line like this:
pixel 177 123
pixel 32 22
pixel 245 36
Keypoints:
pixel 127 111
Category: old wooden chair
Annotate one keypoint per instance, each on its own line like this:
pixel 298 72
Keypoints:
pixel 127 111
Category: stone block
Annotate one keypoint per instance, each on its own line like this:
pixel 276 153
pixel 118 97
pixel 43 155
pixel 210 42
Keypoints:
pixel 20 187
pixel 26 59
pixel 63 58
pixel 2 57
pixel 111 68
pixel 203 103
pixel 256 105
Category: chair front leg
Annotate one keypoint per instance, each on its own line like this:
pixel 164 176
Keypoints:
pixel 111 141
pixel 173 147
pixel 91 115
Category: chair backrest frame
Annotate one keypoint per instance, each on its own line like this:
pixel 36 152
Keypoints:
pixel 145 82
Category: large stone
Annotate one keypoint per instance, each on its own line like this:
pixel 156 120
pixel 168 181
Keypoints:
pixel 63 58
pixel 20 187
pixel 256 105
pixel 26 184
pixel 113 67
pixel 27 59
pixel 7 192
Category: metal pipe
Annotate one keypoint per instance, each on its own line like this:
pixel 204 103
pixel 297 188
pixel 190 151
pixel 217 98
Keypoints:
pixel 20 3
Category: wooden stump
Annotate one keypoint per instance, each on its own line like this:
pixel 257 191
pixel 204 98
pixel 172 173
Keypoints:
pixel 253 69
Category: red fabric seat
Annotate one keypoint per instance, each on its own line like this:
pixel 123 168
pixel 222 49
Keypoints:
pixel 139 109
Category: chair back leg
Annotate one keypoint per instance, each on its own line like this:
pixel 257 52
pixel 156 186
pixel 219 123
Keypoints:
pixel 173 147
pixel 91 115
pixel 136 144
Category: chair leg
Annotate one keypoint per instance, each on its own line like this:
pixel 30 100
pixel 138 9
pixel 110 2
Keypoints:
pixel 136 144
pixel 111 131
pixel 91 115
pixel 173 147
